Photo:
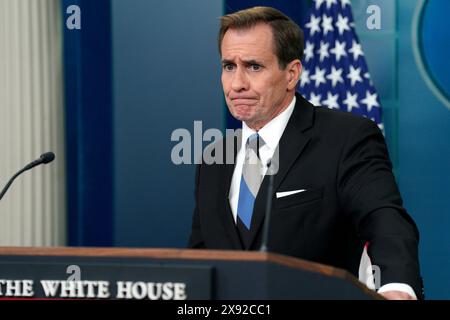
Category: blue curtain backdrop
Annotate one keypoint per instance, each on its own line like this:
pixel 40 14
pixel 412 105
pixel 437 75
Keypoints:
pixel 88 116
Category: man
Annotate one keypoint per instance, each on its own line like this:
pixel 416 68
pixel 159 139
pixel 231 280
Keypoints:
pixel 333 190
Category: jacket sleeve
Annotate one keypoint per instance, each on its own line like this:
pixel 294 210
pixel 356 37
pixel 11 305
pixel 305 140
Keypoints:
pixel 196 239
pixel 370 197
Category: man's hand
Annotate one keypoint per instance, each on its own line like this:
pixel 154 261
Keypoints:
pixel 397 295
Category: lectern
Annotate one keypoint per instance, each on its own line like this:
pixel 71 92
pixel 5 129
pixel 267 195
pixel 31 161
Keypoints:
pixel 134 273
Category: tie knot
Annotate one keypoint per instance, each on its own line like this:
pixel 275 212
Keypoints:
pixel 255 142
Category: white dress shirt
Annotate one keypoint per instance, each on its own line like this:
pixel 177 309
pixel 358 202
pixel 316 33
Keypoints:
pixel 271 134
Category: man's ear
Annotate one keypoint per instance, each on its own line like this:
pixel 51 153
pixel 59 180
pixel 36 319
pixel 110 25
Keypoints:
pixel 294 69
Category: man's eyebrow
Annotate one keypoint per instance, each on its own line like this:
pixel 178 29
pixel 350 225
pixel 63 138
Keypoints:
pixel 226 61
pixel 251 62
pixel 246 62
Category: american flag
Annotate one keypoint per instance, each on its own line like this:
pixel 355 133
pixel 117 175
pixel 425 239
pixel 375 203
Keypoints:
pixel 335 72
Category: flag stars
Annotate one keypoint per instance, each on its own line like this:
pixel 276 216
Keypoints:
pixel 309 51
pixel 335 73
pixel 330 3
pixel 315 99
pixel 319 76
pixel 331 101
pixel 339 50
pixel 335 76
pixel 354 75
pixel 367 76
pixel 356 50
pixel 342 24
pixel 370 100
pixel 351 101
pixel 304 78
pixel 323 50
pixel 313 25
pixel 327 24
pixel 319 3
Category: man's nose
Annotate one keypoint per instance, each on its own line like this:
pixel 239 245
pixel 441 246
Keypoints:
pixel 240 81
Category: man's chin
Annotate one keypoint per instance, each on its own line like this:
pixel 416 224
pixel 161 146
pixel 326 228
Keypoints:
pixel 243 117
pixel 242 114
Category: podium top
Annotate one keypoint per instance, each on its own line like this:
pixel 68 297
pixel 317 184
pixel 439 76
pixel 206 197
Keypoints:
pixel 181 254
pixel 188 254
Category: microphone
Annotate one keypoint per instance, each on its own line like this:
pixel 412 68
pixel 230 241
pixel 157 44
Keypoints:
pixel 267 214
pixel 44 159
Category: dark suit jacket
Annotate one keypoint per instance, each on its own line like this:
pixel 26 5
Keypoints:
pixel 352 197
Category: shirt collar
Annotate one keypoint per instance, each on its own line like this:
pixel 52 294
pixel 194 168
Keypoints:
pixel 271 133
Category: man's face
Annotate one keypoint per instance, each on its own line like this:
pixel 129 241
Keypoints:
pixel 256 89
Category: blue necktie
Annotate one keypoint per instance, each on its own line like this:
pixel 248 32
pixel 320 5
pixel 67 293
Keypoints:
pixel 250 183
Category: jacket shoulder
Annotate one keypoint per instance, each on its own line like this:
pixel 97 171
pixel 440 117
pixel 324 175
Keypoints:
pixel 340 121
pixel 338 116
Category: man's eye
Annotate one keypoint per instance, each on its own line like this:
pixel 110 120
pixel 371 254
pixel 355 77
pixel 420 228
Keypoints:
pixel 228 67
pixel 255 67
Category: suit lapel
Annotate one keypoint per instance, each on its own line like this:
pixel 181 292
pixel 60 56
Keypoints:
pixel 225 213
pixel 291 145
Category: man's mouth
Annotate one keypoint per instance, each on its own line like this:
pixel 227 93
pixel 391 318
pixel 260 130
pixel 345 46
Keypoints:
pixel 243 101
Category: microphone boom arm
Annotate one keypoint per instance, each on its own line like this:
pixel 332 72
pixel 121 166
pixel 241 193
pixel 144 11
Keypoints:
pixel 11 181
pixel 44 159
